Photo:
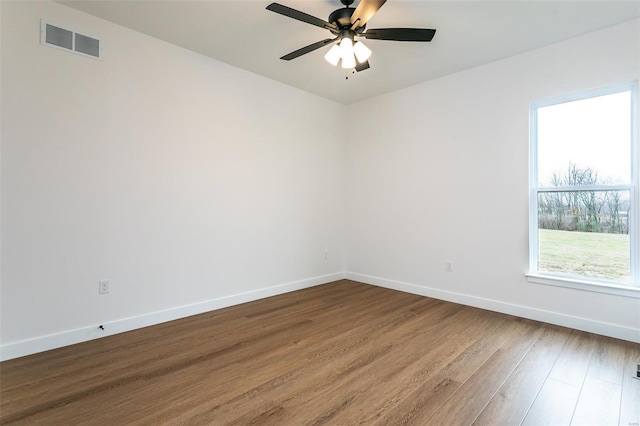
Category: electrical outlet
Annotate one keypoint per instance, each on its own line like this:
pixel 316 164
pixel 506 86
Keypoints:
pixel 326 255
pixel 104 286
pixel 448 266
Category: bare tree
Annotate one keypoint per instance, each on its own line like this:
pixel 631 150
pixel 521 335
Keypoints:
pixel 589 210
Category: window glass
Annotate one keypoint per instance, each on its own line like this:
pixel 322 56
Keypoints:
pixel 585 234
pixel 585 142
pixel 582 203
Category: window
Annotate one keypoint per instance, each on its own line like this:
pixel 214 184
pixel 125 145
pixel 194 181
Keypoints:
pixel 584 196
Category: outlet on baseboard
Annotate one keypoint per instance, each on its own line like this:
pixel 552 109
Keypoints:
pixel 104 286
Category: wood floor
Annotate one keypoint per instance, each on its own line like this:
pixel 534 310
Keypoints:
pixel 341 353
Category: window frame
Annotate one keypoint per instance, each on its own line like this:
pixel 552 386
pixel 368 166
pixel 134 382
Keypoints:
pixel 631 289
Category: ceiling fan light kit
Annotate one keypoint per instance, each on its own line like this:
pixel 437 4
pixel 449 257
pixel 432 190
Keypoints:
pixel 346 50
pixel 347 24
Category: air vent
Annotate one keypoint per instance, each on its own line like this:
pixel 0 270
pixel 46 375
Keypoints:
pixel 65 39
pixel 87 45
pixel 59 37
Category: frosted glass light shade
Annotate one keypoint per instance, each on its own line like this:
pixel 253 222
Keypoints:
pixel 349 62
pixel 346 52
pixel 361 51
pixel 346 47
pixel 333 55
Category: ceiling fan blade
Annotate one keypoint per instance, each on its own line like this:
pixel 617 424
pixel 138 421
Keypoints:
pixel 309 48
pixel 363 66
pixel 399 34
pixel 365 10
pixel 301 16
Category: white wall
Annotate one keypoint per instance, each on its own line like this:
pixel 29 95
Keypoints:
pixel 439 172
pixel 187 182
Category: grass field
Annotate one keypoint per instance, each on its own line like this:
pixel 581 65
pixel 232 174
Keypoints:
pixel 589 254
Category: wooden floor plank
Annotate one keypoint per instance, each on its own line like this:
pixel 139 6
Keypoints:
pixel 509 406
pixel 340 353
pixel 607 360
pixel 601 393
pixel 630 403
pixel 554 405
pixel 421 404
pixel 598 404
pixel 469 400
pixel 572 364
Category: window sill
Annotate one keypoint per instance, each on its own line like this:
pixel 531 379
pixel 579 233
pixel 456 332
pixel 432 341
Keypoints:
pixel 598 287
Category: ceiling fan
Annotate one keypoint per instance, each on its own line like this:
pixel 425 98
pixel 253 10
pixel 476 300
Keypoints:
pixel 347 24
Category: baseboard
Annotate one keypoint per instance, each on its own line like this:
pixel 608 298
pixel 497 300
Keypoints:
pixel 557 318
pixel 70 337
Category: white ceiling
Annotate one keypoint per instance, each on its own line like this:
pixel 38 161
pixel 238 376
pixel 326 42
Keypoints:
pixel 469 33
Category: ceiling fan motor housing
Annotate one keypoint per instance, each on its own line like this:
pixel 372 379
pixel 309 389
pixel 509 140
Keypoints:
pixel 342 19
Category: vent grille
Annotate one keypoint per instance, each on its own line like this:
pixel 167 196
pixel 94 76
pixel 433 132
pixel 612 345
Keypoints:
pixel 61 38
pixel 87 45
